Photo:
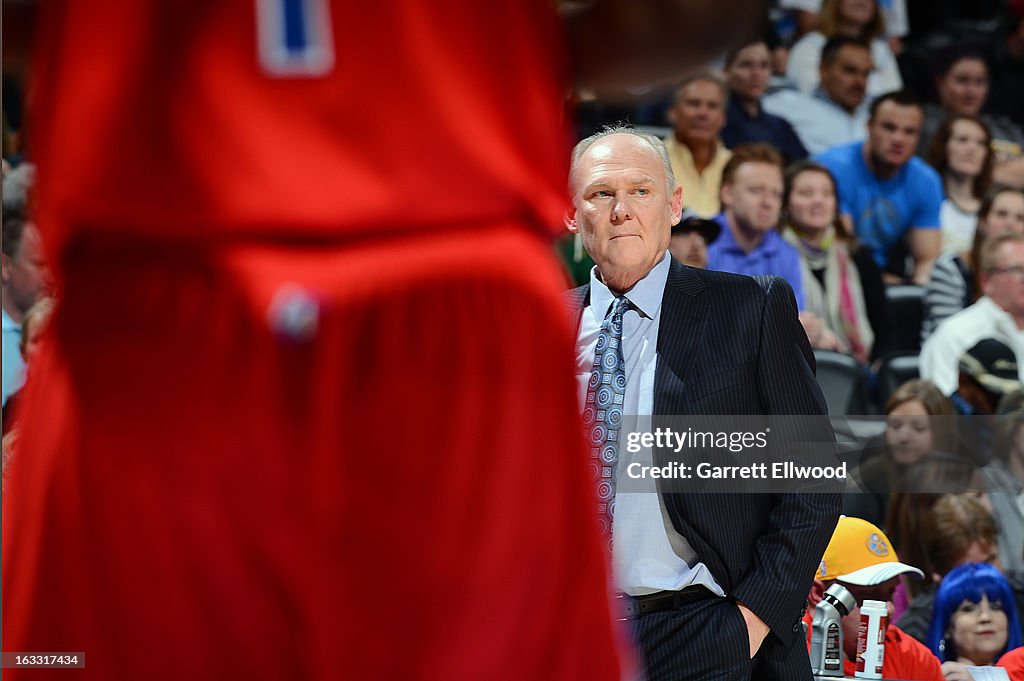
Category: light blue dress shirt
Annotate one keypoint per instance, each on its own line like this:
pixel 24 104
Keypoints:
pixel 648 554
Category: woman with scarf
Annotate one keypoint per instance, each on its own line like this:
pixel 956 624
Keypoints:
pixel 842 284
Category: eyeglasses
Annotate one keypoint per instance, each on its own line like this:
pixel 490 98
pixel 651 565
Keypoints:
pixel 1015 271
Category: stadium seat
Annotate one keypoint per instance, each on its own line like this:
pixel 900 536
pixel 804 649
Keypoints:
pixel 895 369
pixel 905 310
pixel 843 381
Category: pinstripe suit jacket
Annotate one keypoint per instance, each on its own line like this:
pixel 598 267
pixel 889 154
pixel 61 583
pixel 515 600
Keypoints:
pixel 732 345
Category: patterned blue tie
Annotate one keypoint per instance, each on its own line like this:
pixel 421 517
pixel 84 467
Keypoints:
pixel 602 414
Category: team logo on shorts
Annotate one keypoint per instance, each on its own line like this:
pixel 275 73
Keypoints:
pixel 877 545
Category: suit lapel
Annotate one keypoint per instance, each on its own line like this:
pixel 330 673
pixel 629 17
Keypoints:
pixel 575 300
pixel 683 319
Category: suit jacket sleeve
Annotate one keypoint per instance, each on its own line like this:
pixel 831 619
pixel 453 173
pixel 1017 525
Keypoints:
pixel 799 525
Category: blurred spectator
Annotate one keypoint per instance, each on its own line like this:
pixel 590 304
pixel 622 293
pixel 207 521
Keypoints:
pixel 957 529
pixel 835 112
pixel 988 371
pixel 854 18
pixel 25 280
pixel 748 71
pixel 918 423
pixel 998 314
pixel 698 155
pixel 1004 480
pixel 1008 69
pixel 920 489
pixel 842 284
pixel 888 193
pixel 751 204
pixel 961 153
pixel 690 240
pixel 974 620
pixel 961 78
pixel 952 284
pixel 861 558
pixel 17 186
pixel 894 13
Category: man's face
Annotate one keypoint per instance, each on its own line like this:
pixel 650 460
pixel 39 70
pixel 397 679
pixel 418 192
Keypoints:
pixel 964 88
pixel 851 623
pixel 699 112
pixel 893 133
pixel 750 71
pixel 622 208
pixel 690 249
pixel 25 275
pixel 753 199
pixel 1005 283
pixel 845 79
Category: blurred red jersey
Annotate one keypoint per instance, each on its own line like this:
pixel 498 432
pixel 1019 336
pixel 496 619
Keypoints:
pixel 297 119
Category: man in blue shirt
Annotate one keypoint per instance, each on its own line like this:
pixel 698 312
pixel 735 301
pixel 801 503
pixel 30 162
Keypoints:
pixel 752 200
pixel 887 193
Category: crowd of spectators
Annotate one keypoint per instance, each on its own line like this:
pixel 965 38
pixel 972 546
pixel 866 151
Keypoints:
pixel 832 157
pixel 857 157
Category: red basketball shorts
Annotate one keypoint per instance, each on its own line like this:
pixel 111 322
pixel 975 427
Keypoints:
pixel 286 462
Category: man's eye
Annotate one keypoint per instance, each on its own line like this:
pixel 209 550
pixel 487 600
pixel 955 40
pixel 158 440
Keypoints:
pixel 642 191
pixel 602 193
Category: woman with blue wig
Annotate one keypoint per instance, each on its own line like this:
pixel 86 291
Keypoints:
pixel 975 620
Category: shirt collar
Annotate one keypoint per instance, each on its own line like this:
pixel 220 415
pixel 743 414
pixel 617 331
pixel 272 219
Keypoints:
pixel 769 244
pixel 646 294
pixel 735 108
pixel 8 323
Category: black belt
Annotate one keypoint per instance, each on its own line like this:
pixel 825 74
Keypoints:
pixel 638 606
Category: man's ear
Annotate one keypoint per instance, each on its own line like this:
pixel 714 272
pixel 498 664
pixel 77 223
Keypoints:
pixel 677 205
pixel 569 220
pixel 983 281
pixel 725 195
pixel 6 260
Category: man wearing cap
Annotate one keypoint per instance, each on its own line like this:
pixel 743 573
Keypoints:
pixel 987 372
pixel 691 238
pixel 861 558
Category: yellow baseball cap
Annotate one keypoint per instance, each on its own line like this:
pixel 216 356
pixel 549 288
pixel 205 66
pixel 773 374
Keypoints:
pixel 860 553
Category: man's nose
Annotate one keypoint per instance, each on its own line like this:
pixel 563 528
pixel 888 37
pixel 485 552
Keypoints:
pixel 621 210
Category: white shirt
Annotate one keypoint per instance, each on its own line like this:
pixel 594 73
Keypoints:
pixel 957 228
pixel 802 69
pixel 819 122
pixel 894 11
pixel 648 554
pixel 940 354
